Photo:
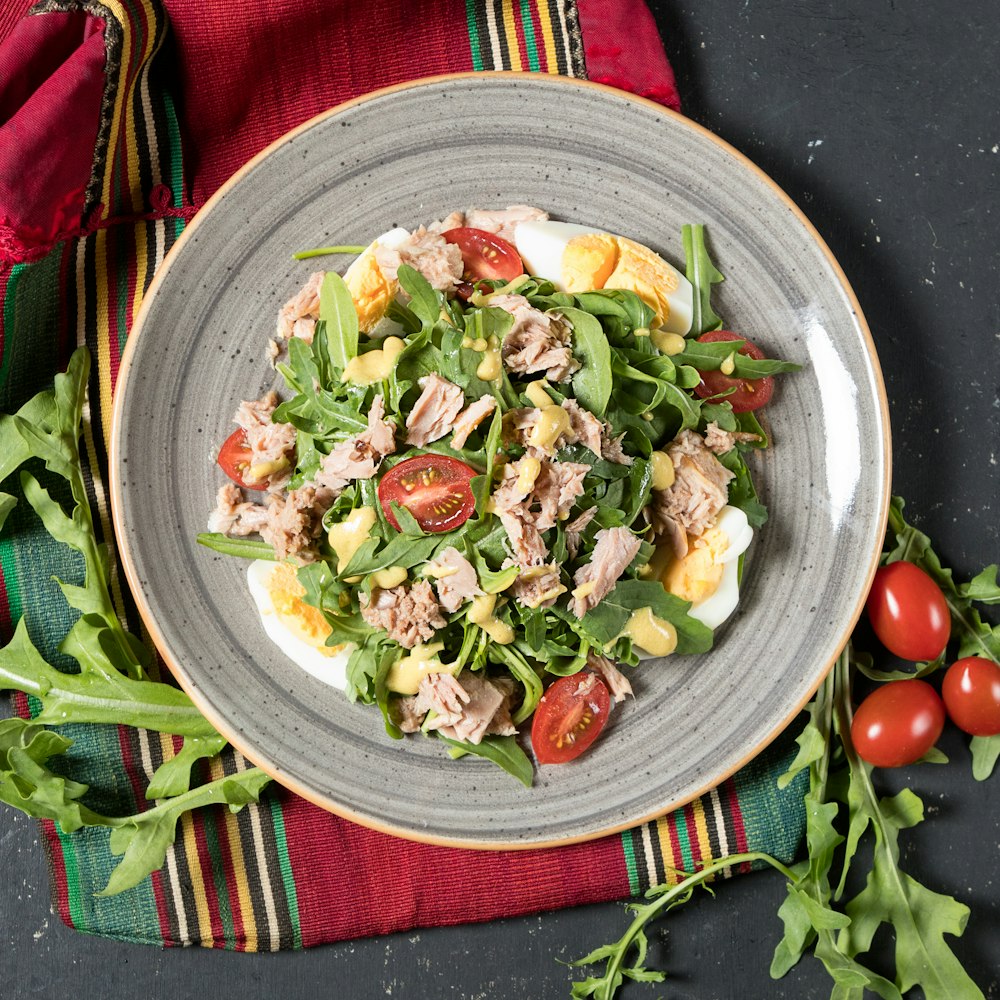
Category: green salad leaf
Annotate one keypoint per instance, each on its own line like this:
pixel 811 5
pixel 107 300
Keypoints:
pixel 339 319
pixel 703 274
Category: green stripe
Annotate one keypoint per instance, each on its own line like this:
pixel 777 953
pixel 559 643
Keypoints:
pixel 470 17
pixel 219 876
pixel 680 825
pixel 72 877
pixel 529 36
pixel 122 319
pixel 8 321
pixel 633 873
pixel 287 876
pixel 176 169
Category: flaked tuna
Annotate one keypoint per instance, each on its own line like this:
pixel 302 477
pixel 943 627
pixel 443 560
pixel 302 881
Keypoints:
pixel 503 221
pixel 299 314
pixel 465 708
pixel 359 457
pixel 574 531
pixel 538 586
pixel 407 614
pixel 438 261
pixel 526 542
pixel 539 491
pixel 615 549
pixel 435 411
pixel 454 578
pixel 719 441
pixel 584 427
pixel 537 342
pixel 698 493
pixel 618 684
pixel 235 515
pixel 470 418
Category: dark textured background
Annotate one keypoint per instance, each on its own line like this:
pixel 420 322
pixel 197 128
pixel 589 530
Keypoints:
pixel 881 120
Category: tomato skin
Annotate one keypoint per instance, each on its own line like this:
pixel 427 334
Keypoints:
pixel 485 255
pixel 908 612
pixel 569 717
pixel 897 723
pixel 234 459
pixel 971 692
pixel 750 394
pixel 435 489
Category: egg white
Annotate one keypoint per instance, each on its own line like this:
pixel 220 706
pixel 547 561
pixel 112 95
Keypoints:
pixel 330 670
pixel 542 244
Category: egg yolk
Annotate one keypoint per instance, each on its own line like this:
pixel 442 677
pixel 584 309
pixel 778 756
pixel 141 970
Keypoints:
pixel 697 575
pixel 600 260
pixel 370 289
pixel 302 620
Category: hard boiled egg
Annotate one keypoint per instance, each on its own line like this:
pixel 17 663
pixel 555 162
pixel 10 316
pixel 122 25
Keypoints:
pixel 296 628
pixel 371 290
pixel 707 575
pixel 580 258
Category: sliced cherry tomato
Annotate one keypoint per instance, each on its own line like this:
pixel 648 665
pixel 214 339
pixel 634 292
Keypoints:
pixel 908 612
pixel 897 723
pixel 433 488
pixel 971 692
pixel 569 717
pixel 750 394
pixel 234 459
pixel 485 255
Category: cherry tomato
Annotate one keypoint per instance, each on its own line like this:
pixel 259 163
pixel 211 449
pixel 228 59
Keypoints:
pixel 971 692
pixel 234 459
pixel 569 717
pixel 908 612
pixel 897 723
pixel 435 489
pixel 485 255
pixel 750 394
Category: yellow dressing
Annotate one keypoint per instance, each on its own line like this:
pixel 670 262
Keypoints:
pixel 347 536
pixel 663 470
pixel 655 635
pixel 535 391
pixel 528 473
pixel 667 342
pixel 490 367
pixel 585 589
pixel 366 369
pixel 481 614
pixel 405 674
pixel 261 470
pixel 552 422
pixel 386 579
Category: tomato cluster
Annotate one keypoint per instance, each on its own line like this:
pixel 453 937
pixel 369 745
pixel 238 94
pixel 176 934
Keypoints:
pixel 900 721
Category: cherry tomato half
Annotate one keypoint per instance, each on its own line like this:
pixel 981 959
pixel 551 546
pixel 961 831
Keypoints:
pixel 435 489
pixel 971 692
pixel 750 394
pixel 234 459
pixel 485 255
pixel 908 612
pixel 897 723
pixel 569 717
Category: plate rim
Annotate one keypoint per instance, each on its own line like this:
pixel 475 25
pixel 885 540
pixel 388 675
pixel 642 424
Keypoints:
pixel 115 471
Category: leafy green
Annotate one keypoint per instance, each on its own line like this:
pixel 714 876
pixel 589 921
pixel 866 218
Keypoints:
pixel 7 504
pixel 709 357
pixel 504 751
pixel 985 751
pixel 243 548
pixel 425 302
pixel 339 319
pixel 702 274
pixel 592 382
pixel 324 251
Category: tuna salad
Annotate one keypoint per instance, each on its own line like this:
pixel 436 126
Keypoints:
pixel 508 461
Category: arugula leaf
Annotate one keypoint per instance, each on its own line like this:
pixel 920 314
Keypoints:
pixel 709 357
pixel 504 751
pixel 425 302
pixel 592 382
pixel 402 550
pixel 702 274
pixel 339 319
pixel 985 751
pixel 983 588
pixel 7 504
pixel 244 548
pixel 173 776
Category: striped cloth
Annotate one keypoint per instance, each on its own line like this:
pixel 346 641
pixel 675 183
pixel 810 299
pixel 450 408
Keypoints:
pixel 81 235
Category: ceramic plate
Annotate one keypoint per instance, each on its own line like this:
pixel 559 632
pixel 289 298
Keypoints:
pixel 586 154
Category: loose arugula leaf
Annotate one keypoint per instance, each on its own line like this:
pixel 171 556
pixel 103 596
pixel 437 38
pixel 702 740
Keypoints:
pixel 985 751
pixel 7 504
pixel 702 274
pixel 339 319
pixel 504 751
pixel 244 548
pixel 983 588
pixel 173 776
pixel 592 382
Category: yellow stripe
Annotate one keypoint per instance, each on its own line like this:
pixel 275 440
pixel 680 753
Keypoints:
pixel 239 865
pixel 701 825
pixel 103 330
pixel 545 20
pixel 197 882
pixel 511 30
pixel 670 874
pixel 121 101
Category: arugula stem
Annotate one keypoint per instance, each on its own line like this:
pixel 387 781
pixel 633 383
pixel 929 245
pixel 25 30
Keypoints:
pixel 323 251
pixel 958 615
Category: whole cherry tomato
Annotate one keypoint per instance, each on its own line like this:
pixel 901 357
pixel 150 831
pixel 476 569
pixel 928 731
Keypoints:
pixel 897 723
pixel 971 692
pixel 908 612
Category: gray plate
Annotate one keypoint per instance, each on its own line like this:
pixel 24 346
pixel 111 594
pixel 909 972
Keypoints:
pixel 586 154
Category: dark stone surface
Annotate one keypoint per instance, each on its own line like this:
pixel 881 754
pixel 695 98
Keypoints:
pixel 880 120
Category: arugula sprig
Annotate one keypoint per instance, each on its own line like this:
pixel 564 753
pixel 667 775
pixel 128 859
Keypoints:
pixel 112 685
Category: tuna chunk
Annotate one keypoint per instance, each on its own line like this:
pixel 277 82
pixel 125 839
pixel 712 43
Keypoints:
pixel 699 492
pixel 584 427
pixel 234 514
pixel 538 586
pixel 719 441
pixel 537 342
pixel 618 684
pixel 451 221
pixel 359 457
pixel 299 314
pixel 615 549
pixel 503 221
pixel 544 498
pixel 464 710
pixel 455 579
pixel 525 540
pixel 408 614
pixel 441 694
pixel 485 700
pixel 435 411
pixel 271 445
pixel 438 261
pixel 574 530
pixel 611 448
pixel 470 418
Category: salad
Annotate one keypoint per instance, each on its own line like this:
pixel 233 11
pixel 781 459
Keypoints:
pixel 509 464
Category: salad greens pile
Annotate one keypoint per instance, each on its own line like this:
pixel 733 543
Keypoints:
pixel 624 379
pixel 850 827
pixel 113 684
